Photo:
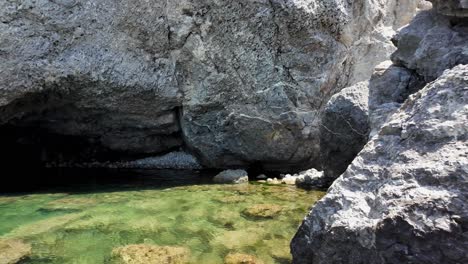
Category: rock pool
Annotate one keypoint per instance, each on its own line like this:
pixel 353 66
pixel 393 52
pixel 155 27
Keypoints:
pixel 86 221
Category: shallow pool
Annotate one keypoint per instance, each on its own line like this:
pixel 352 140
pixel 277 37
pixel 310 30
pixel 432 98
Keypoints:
pixel 84 224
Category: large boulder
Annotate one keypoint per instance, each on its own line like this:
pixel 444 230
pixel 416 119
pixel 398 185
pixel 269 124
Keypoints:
pixel 431 44
pixel 458 8
pixel 344 129
pixel 232 176
pixel 389 87
pixel 235 82
pixel 403 199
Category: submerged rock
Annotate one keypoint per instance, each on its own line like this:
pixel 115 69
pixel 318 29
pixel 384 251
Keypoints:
pixel 70 203
pixel 232 176
pixel 403 199
pixel 146 254
pixel 263 211
pixel 238 258
pixel 13 251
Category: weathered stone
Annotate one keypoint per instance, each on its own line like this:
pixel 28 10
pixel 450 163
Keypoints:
pixel 403 199
pixel 344 129
pixel 238 83
pixel 313 179
pixel 238 258
pixel 13 251
pixel 232 176
pixel 144 254
pixel 389 87
pixel 431 44
pixel 458 8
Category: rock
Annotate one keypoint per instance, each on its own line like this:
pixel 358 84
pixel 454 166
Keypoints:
pixel 232 176
pixel 389 87
pixel 431 44
pixel 274 181
pixel 344 129
pixel 261 177
pixel 263 211
pixel 457 8
pixel 70 204
pixel 236 83
pixel 144 254
pixel 174 160
pixel 403 199
pixel 238 258
pixel 313 179
pixel 13 251
pixel 289 179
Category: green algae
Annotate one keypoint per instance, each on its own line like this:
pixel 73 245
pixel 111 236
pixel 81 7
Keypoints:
pixel 209 220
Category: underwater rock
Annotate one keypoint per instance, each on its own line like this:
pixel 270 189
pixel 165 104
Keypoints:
pixel 403 199
pixel 263 211
pixel 13 251
pixel 70 204
pixel 238 258
pixel 145 254
pixel 232 176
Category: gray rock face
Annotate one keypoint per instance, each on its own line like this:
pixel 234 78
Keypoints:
pixel 389 87
pixel 312 179
pixel 403 199
pixel 344 129
pixel 236 82
pixel 431 44
pixel 457 8
pixel 232 176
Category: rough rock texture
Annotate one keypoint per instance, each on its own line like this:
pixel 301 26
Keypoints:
pixel 389 87
pixel 237 82
pixel 145 254
pixel 232 176
pixel 13 251
pixel 313 179
pixel 403 199
pixel 431 44
pixel 458 8
pixel 344 128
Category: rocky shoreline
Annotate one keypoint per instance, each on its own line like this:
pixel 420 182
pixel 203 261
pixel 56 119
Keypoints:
pixel 366 98
pixel 403 198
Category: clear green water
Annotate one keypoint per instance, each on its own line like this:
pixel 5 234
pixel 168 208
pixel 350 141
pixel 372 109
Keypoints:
pixel 208 219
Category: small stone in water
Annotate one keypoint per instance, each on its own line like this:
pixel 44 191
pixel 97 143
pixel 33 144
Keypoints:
pixel 144 254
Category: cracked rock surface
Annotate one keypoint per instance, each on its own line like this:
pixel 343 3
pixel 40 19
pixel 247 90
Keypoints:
pixel 235 82
pixel 403 199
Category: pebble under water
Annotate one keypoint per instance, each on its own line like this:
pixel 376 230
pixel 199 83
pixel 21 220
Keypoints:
pixel 84 220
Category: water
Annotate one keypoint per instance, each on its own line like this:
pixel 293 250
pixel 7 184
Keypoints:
pixel 83 220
